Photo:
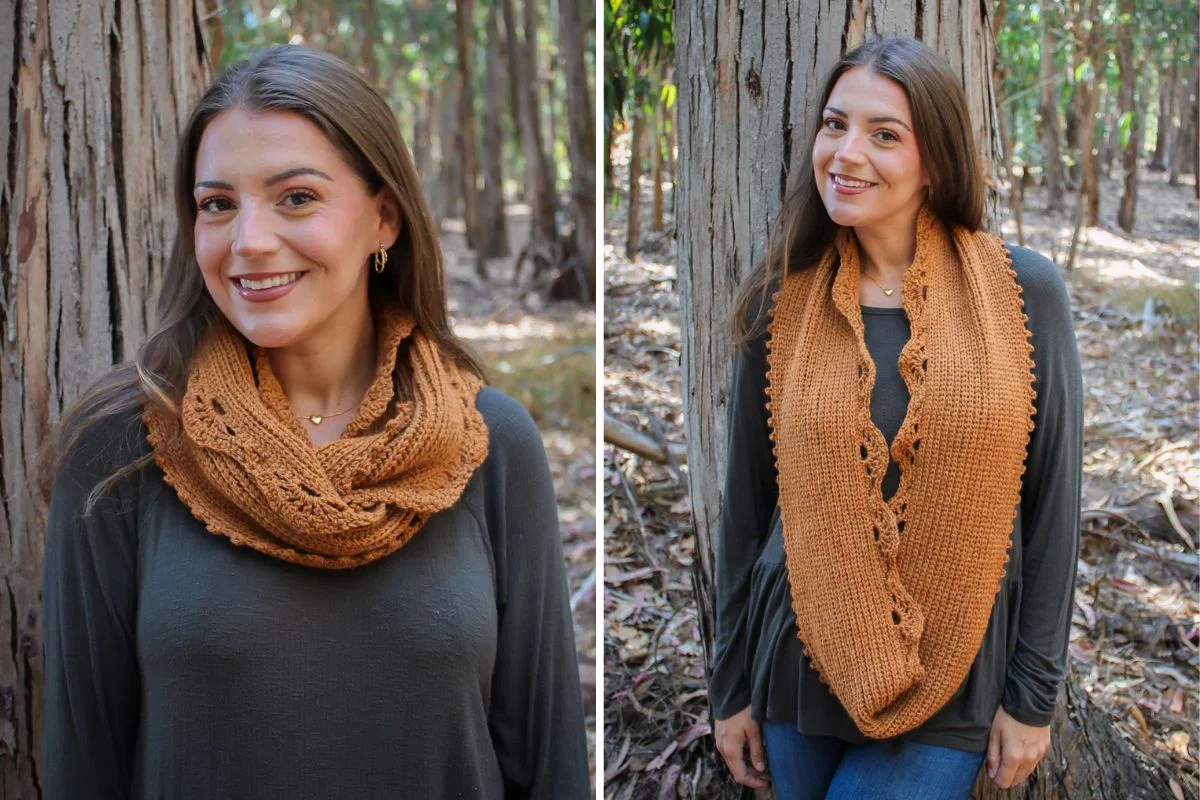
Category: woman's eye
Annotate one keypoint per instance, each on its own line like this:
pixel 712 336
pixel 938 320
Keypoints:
pixel 833 123
pixel 888 136
pixel 298 199
pixel 214 205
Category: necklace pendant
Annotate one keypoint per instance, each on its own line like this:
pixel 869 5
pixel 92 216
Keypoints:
pixel 315 419
pixel 888 292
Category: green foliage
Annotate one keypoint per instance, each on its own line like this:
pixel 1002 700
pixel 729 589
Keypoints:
pixel 1162 32
pixel 639 41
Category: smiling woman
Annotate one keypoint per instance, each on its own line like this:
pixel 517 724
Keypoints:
pixel 890 505
pixel 288 551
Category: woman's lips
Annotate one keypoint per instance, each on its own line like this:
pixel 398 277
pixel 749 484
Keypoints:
pixel 265 295
pixel 840 184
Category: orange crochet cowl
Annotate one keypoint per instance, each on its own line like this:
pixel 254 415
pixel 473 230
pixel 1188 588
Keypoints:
pixel 244 466
pixel 892 598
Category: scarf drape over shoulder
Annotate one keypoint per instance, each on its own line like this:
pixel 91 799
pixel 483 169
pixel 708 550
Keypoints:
pixel 892 598
pixel 244 465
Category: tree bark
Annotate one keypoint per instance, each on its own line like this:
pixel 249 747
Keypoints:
pixel 493 235
pixel 1127 210
pixel 1052 166
pixel 656 141
pixel 1168 78
pixel 1088 758
pixel 464 36
pixel 633 229
pixel 539 185
pixel 1089 191
pixel 422 146
pixel 748 76
pixel 1185 158
pixel 581 132
pixel 447 200
pixel 96 94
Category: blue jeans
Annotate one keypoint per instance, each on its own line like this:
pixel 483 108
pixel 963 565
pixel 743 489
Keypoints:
pixel 824 768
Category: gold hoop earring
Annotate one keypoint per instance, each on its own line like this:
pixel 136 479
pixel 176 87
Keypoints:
pixel 381 258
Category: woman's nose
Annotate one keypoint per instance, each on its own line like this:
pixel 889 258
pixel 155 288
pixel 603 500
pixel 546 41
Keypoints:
pixel 254 235
pixel 850 148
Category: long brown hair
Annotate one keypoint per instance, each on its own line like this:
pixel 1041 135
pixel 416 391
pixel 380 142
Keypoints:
pixel 357 120
pixel 942 125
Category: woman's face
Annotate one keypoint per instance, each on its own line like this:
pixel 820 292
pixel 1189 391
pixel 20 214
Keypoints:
pixel 285 229
pixel 865 158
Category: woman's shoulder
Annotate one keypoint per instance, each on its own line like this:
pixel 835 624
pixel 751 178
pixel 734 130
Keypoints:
pixel 104 443
pixel 1038 276
pixel 512 434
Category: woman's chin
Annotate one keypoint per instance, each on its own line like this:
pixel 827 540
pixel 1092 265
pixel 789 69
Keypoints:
pixel 268 335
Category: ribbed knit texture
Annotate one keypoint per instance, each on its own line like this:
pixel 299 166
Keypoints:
pixel 892 598
pixel 245 467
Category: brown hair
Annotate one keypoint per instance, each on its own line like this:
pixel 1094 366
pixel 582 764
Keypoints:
pixel 358 122
pixel 942 125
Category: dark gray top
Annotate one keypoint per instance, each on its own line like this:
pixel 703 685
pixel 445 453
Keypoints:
pixel 179 666
pixel 1021 663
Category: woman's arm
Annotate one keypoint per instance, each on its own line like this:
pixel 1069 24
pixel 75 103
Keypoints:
pixel 536 713
pixel 1049 499
pixel 89 593
pixel 748 505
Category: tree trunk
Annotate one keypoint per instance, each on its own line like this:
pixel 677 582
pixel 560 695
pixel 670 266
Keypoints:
pixel 539 186
pixel 508 38
pixel 1088 758
pixel 86 224
pixel 633 231
pixel 447 201
pixel 581 142
pixel 1167 81
pixel 1052 166
pixel 464 36
pixel 1110 117
pixel 1127 211
pixel 369 25
pixel 1185 157
pixel 656 142
pixel 493 236
pixel 748 76
pixel 422 146
pixel 1089 192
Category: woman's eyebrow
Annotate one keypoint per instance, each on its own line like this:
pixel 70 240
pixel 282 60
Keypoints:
pixel 900 122
pixel 271 181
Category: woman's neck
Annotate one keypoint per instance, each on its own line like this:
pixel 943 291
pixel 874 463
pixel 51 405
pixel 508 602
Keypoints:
pixel 328 374
pixel 887 253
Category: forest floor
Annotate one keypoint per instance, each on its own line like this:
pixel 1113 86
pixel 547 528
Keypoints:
pixel 1135 645
pixel 544 355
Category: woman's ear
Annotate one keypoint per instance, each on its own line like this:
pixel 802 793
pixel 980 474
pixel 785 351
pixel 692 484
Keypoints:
pixel 390 223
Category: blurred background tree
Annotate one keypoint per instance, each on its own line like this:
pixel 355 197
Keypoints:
pixel 489 95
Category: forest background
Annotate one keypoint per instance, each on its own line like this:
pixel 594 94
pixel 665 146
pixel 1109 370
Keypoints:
pixel 1086 116
pixel 495 99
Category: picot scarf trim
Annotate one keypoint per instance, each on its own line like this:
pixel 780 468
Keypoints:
pixel 892 598
pixel 245 467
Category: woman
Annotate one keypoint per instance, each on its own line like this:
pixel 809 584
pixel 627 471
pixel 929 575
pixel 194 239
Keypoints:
pixel 886 622
pixel 298 549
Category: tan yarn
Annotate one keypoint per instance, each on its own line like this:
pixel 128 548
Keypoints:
pixel 244 465
pixel 892 599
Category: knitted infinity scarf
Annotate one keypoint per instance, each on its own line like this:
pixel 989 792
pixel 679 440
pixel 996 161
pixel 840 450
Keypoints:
pixel 892 598
pixel 244 465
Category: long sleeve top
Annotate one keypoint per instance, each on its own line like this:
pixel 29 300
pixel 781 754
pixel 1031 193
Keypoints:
pixel 180 666
pixel 759 661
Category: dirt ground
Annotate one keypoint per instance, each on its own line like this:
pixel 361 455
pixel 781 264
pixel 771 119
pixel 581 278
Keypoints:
pixel 544 355
pixel 1135 645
